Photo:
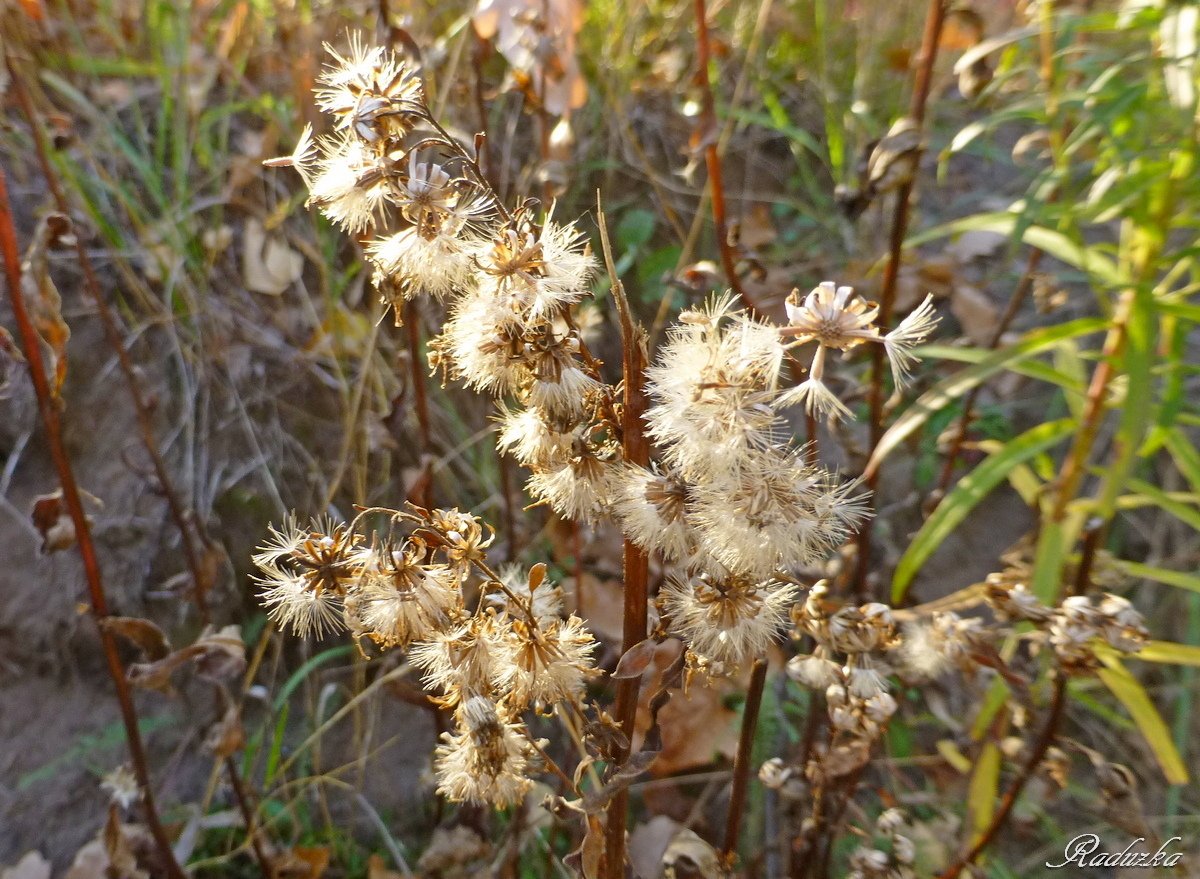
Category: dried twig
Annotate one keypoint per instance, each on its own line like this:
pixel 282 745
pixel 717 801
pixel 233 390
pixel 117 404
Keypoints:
pixel 742 762
pixel 710 141
pixel 52 421
pixel 934 20
pixel 185 521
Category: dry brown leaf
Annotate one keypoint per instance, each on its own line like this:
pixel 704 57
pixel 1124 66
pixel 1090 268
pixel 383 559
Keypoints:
pixel 41 296
pixel 690 857
pixel 976 244
pixel 31 866
pixel 452 850
pixel 649 843
pixel 50 518
pixel 975 312
pixel 538 40
pixel 269 266
pixel 377 869
pixel 226 737
pixel 143 634
pixel 636 659
pixel 757 228
pixel 303 862
pixel 218 656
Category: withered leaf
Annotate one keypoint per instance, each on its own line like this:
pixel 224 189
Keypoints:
pixel 42 297
pixel 636 659
pixel 629 771
pixel 50 518
pixel 226 737
pixel 218 656
pixel 143 634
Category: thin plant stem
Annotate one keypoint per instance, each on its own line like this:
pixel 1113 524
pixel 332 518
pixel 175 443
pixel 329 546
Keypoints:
pixel 52 421
pixel 243 802
pixel 636 448
pixel 184 520
pixel 1009 800
pixel 710 140
pixel 934 20
pixel 742 762
pixel 412 326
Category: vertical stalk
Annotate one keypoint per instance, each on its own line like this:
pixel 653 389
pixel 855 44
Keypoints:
pixel 51 419
pixel 934 20
pixel 636 562
pixel 412 317
pixel 742 762
pixel 712 157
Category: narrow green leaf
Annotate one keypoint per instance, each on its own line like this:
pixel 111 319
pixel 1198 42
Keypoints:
pixel 1086 259
pixel 1161 575
pixel 969 491
pixel 1169 652
pixel 1137 702
pixel 985 783
pixel 956 385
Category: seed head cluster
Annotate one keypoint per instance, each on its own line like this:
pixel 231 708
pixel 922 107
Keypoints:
pixel 409 589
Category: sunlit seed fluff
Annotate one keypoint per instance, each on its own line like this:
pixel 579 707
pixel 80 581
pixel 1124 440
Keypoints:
pixel 485 342
pixel 651 508
pixel 370 92
pixel 401 599
pixel 775 511
pixel 487 760
pixel 531 437
pixel 439 265
pixel 577 489
pixel 293 604
pixel 540 270
pixel 910 332
pixel 560 390
pixel 551 661
pixel 348 183
pixel 473 658
pixel 713 386
pixel 545 603
pixel 730 621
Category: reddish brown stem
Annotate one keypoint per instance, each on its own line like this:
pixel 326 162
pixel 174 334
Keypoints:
pixel 184 522
pixel 742 762
pixel 712 158
pixel 243 802
pixel 51 420
pixel 934 20
pixel 636 447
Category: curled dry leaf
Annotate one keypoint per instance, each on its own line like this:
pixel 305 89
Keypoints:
pixel 303 862
pixel 143 634
pixel 50 518
pixel 452 851
pixel 42 297
pixel 218 656
pixel 269 266
pixel 227 736
pixel 636 659
pixel 976 313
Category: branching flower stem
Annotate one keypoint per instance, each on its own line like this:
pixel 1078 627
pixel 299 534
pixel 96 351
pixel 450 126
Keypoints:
pixel 934 20
pixel 51 419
